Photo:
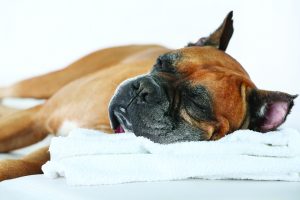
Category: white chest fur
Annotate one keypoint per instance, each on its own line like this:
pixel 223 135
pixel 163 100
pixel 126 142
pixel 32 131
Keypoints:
pixel 67 127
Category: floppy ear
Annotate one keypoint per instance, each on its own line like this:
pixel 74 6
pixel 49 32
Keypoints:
pixel 220 38
pixel 268 109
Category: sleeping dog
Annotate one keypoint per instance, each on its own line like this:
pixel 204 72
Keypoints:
pixel 190 94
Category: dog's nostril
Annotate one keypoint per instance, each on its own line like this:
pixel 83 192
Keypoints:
pixel 145 90
pixel 144 96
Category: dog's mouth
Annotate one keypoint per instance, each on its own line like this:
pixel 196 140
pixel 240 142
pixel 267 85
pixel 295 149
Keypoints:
pixel 119 129
pixel 119 121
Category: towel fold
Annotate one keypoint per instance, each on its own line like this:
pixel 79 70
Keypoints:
pixel 89 157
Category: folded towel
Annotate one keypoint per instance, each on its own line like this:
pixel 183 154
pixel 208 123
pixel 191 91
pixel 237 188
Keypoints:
pixel 89 157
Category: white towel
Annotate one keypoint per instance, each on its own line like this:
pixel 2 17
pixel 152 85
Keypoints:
pixel 88 157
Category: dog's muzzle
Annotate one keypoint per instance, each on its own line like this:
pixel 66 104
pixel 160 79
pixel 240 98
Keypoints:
pixel 141 91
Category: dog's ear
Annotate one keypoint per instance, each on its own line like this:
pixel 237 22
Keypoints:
pixel 220 38
pixel 268 109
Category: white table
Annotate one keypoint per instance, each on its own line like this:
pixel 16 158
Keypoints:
pixel 38 187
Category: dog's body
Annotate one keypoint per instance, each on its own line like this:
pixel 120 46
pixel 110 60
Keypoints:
pixel 70 106
pixel 79 96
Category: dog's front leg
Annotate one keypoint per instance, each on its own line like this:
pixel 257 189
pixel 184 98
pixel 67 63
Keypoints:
pixel 28 165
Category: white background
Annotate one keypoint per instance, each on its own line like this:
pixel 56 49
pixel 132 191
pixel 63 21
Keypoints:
pixel 38 36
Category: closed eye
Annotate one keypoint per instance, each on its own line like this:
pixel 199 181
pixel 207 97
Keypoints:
pixel 197 103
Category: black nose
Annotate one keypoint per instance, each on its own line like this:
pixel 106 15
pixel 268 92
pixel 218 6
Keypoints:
pixel 147 90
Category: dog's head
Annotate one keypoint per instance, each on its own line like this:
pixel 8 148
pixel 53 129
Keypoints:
pixel 196 93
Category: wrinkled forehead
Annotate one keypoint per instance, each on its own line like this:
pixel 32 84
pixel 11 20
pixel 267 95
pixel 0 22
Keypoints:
pixel 196 59
pixel 203 65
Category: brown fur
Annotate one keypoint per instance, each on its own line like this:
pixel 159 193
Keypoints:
pixel 28 165
pixel 5 110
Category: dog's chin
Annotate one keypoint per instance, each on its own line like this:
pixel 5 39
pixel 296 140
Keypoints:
pixel 119 121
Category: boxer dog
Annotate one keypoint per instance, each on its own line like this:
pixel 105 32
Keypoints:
pixel 190 94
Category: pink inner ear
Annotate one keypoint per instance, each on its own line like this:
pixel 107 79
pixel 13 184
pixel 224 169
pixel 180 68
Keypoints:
pixel 274 115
